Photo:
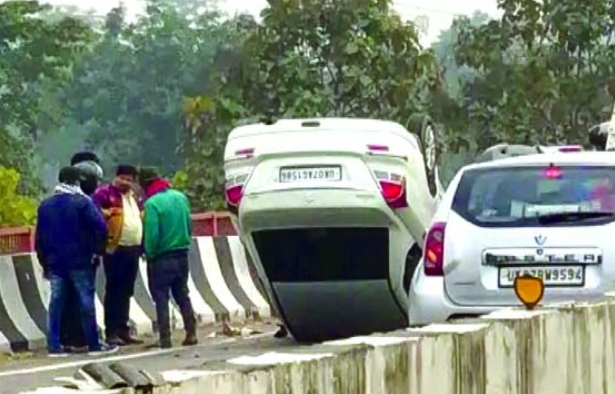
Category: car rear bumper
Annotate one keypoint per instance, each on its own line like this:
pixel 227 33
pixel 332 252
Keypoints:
pixel 428 302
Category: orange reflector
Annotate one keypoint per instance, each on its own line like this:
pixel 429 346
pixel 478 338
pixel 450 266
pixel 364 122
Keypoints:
pixel 529 290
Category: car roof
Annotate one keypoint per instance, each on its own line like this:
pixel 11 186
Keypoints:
pixel 571 158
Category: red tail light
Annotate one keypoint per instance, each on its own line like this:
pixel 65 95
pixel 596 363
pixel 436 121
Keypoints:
pixel 394 193
pixel 233 191
pixel 433 250
pixel 233 195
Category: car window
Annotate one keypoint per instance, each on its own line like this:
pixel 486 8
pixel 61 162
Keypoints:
pixel 516 196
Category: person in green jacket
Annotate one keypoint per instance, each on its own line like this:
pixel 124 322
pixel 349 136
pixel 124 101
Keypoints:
pixel 167 233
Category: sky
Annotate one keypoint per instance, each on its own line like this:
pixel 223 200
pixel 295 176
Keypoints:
pixel 435 15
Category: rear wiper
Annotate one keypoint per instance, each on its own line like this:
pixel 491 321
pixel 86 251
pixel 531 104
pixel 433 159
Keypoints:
pixel 571 217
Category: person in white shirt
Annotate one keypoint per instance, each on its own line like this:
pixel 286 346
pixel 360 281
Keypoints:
pixel 122 208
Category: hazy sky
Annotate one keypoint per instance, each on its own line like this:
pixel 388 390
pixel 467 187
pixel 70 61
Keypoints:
pixel 438 13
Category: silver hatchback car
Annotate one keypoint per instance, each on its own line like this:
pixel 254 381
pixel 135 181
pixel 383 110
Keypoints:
pixel 549 215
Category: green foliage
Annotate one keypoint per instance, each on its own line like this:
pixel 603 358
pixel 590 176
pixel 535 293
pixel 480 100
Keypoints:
pixel 35 53
pixel 179 180
pixel 546 69
pixel 15 209
pixel 165 89
pixel 127 93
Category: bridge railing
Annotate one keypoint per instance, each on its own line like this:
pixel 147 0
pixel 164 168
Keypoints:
pixel 207 224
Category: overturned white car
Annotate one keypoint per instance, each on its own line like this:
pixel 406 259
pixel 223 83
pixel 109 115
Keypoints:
pixel 333 211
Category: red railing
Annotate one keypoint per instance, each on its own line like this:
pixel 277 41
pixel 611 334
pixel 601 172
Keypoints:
pixel 208 224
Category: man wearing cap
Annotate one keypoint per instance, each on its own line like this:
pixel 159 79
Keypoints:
pixel 122 209
pixel 167 232
pixel 70 231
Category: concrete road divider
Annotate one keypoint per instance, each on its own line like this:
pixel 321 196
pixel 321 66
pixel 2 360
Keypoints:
pixel 223 286
pixel 552 350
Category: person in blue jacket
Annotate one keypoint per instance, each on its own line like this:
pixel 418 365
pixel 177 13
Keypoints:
pixel 71 335
pixel 70 232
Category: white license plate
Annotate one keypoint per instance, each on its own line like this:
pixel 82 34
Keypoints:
pixel 310 174
pixel 565 275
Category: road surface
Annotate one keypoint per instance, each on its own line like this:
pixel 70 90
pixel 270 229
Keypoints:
pixel 21 375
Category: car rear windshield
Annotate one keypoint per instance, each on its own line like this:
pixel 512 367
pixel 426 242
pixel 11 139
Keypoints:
pixel 520 196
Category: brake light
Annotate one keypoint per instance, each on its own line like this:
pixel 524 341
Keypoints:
pixel 394 193
pixel 233 195
pixel 553 173
pixel 433 250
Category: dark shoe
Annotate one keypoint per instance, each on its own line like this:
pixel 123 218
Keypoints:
pixel 190 340
pixel 282 332
pixel 166 343
pixel 115 340
pixel 128 340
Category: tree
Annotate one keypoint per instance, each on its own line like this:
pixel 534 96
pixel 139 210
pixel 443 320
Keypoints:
pixel 15 209
pixel 126 98
pixel 546 71
pixel 447 104
pixel 33 51
pixel 444 48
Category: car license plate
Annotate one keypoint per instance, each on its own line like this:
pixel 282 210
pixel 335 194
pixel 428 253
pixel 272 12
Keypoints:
pixel 310 174
pixel 568 275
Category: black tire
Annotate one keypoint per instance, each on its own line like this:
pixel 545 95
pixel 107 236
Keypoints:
pixel 425 129
pixel 412 261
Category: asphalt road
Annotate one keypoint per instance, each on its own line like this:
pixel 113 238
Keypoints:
pixel 37 372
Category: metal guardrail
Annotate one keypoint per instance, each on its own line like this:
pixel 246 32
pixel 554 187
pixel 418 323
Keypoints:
pixel 208 224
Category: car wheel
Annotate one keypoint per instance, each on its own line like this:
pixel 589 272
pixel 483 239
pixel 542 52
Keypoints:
pixel 423 126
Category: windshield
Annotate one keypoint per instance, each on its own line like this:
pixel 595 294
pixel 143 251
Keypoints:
pixel 519 196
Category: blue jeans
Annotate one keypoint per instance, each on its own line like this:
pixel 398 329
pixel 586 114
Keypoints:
pixel 83 281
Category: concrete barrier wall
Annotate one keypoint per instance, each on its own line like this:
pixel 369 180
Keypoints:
pixel 553 350
pixel 223 286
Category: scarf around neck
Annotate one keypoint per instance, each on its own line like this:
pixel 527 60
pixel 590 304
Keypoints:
pixel 64 188
pixel 159 185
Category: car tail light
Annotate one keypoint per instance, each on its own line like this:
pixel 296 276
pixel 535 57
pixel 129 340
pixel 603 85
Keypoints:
pixel 233 191
pixel 233 195
pixel 394 193
pixel 433 250
pixel 392 188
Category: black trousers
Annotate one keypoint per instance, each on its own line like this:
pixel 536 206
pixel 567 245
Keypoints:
pixel 71 329
pixel 168 274
pixel 121 270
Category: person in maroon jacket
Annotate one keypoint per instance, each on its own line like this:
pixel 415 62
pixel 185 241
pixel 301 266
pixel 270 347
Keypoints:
pixel 122 207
